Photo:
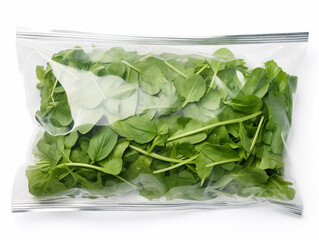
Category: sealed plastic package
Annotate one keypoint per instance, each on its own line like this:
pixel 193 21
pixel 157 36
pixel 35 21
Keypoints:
pixel 147 123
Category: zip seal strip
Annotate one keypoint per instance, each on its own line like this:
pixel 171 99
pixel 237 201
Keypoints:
pixel 148 40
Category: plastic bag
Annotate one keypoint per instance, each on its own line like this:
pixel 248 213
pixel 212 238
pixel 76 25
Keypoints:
pixel 158 123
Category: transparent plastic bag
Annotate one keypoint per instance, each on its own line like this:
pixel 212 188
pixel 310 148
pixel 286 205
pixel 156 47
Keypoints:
pixel 147 123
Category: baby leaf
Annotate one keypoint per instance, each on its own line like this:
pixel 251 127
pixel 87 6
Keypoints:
pixel 245 140
pixel 138 128
pixel 79 155
pixel 43 183
pixel 113 163
pixel 251 176
pixel 211 155
pixel 248 104
pixel 151 79
pixel 191 88
pixel 102 143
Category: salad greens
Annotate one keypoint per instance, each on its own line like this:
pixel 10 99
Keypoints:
pixel 167 125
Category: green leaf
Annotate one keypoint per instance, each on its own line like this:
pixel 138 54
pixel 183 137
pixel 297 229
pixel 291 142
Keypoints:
pixel 79 155
pixel 49 148
pixel 151 79
pixel 191 89
pixel 218 135
pixel 113 163
pixel 248 104
pixel 250 176
pixel 186 149
pixel 277 120
pixel 102 143
pixel 184 125
pixel 256 83
pixel 138 128
pixel 71 139
pixel 151 185
pixel 141 165
pixel 280 188
pixel 170 125
pixel 245 140
pixel 215 154
pixel 212 100
pixel 270 160
pixel 43 183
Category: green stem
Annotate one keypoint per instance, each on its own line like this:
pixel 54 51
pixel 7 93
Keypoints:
pixel 63 175
pixel 81 165
pixel 191 168
pixel 175 69
pixel 154 155
pixel 223 161
pixel 202 69
pixel 131 66
pixel 214 76
pixel 213 126
pixel 146 56
pixel 276 183
pixel 184 103
pixel 128 75
pixel 176 165
pixel 63 154
pixel 93 167
pixel 256 135
pixel 53 88
pixel 153 144
pixel 129 183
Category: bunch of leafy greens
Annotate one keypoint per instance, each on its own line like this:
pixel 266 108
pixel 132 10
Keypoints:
pixel 200 127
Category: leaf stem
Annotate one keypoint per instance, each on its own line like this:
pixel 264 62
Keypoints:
pixel 224 161
pixel 128 75
pixel 153 144
pixel 256 135
pixel 63 154
pixel 191 168
pixel 202 69
pixel 176 165
pixel 131 66
pixel 184 103
pixel 94 167
pixel 276 183
pixel 129 183
pixel 146 56
pixel 214 76
pixel 81 165
pixel 175 69
pixel 53 88
pixel 213 126
pixel 154 155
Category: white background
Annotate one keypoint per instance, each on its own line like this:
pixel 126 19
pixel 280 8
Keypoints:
pixel 182 18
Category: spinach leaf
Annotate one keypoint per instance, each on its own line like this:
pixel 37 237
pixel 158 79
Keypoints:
pixel 140 129
pixel 113 163
pixel 248 104
pixel 168 125
pixel 191 88
pixel 102 143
